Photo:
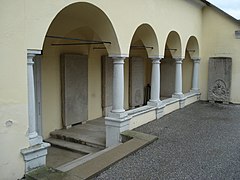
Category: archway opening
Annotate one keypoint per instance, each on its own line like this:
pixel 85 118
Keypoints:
pixel 168 65
pixel 78 39
pixel 191 53
pixel 144 45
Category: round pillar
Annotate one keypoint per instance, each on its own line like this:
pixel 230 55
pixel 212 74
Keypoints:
pixel 195 83
pixel 118 85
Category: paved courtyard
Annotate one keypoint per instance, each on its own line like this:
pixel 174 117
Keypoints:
pixel 201 141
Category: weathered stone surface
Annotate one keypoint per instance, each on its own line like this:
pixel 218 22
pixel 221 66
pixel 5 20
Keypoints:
pixel 219 79
pixel 168 68
pixel 74 72
pixel 136 81
pixel 107 86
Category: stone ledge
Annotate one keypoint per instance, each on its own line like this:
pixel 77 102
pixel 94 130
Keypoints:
pixel 140 110
pixel 170 101
pixel 138 135
pixel 102 162
pixel 105 159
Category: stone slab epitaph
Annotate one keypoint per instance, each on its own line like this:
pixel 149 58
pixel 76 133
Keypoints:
pixel 74 77
pixel 219 79
pixel 136 82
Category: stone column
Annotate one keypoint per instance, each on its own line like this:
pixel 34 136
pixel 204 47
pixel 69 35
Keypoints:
pixel 34 155
pixel 178 79
pixel 118 85
pixel 195 85
pixel 155 83
pixel 32 133
pixel 118 119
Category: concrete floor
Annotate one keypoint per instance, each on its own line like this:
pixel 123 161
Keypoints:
pixel 93 132
pixel 201 141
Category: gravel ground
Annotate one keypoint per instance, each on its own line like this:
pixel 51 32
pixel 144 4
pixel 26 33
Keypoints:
pixel 201 141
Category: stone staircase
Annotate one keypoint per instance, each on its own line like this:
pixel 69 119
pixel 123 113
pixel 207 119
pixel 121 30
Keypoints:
pixel 85 138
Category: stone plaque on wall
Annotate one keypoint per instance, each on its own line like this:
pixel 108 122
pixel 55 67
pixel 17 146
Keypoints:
pixel 219 79
pixel 107 84
pixel 136 81
pixel 167 82
pixel 74 82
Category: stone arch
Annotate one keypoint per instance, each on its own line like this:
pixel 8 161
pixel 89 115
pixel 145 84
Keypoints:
pixel 191 53
pixel 173 45
pixel 145 35
pixel 144 45
pixel 192 47
pixel 77 21
pixel 173 51
pixel 87 19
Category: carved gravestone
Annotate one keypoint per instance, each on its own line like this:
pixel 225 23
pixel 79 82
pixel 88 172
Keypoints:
pixel 107 84
pixel 219 79
pixel 74 82
pixel 136 82
pixel 167 78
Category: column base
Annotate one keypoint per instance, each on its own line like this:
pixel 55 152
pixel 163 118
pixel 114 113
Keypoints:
pixel 160 111
pixel 118 115
pixel 154 103
pixel 114 126
pixel 178 95
pixel 197 91
pixel 182 103
pixel 36 140
pixel 35 156
pixel 107 110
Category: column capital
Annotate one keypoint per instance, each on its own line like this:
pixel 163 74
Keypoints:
pixel 118 59
pixel 156 57
pixel 156 61
pixel 179 60
pixel 31 53
pixel 196 60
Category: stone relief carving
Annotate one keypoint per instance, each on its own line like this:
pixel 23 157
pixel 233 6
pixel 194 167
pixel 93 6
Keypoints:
pixel 219 79
pixel 219 89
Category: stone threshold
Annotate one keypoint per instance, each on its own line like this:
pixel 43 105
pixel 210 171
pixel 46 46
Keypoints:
pixel 93 164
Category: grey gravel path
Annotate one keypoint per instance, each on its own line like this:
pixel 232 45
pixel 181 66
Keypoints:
pixel 201 141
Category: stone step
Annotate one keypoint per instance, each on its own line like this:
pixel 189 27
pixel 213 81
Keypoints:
pixel 72 146
pixel 89 135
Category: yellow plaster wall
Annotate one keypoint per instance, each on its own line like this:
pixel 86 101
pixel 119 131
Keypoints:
pixel 171 107
pixel 219 40
pixel 142 119
pixel 191 100
pixel 13 90
pixel 185 12
pixel 27 30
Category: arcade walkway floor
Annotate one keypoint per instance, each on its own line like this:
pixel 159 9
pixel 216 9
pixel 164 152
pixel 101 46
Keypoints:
pixel 201 141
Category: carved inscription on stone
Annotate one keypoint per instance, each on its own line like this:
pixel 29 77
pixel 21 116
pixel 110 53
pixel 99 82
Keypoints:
pixel 136 81
pixel 219 79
